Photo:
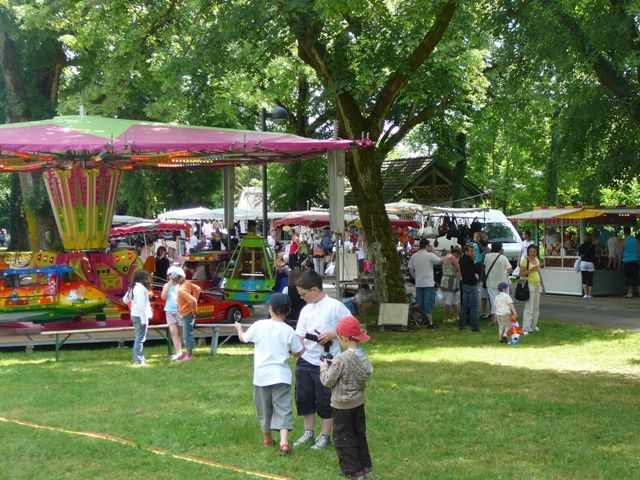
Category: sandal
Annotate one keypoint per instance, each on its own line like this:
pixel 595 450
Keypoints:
pixel 285 450
pixel 267 443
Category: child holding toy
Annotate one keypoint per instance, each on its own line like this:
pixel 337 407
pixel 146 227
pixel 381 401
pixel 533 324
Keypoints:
pixel 346 376
pixel 273 340
pixel 504 307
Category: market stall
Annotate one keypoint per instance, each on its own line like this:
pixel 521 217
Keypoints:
pixel 564 229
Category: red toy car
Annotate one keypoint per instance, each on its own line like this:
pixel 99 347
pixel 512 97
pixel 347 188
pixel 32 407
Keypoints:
pixel 210 310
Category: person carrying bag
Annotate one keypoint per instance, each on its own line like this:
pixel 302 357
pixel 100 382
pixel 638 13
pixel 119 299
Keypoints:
pixel 530 270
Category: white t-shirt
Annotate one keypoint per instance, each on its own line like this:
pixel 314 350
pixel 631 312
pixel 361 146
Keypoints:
pixel 273 342
pixel 503 300
pixel 524 245
pixel 320 317
pixel 499 272
pixel 422 263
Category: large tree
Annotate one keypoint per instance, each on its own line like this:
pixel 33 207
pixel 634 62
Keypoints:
pixel 31 62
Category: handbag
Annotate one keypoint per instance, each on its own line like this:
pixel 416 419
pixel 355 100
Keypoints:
pixel 522 290
pixel 577 265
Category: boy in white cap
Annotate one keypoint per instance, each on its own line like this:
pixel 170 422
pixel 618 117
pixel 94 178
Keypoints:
pixel 273 340
pixel 346 376
pixel 504 307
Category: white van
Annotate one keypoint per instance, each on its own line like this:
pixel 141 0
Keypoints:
pixel 494 224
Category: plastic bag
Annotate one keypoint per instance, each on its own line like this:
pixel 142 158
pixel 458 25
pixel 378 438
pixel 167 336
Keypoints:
pixel 330 270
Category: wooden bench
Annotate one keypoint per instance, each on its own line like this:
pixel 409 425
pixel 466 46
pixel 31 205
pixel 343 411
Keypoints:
pixel 93 335
pixel 220 334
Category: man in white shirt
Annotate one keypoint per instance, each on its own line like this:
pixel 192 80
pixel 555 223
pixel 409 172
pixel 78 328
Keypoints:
pixel 421 269
pixel 317 330
pixel 497 268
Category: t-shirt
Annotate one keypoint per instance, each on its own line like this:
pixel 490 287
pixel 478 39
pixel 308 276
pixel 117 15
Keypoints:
pixel 171 303
pixel 422 263
pixel 503 300
pixel 533 277
pixel 273 341
pixel 499 272
pixel 316 318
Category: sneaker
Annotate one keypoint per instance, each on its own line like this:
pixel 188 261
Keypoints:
pixel 536 329
pixel 306 437
pixel 285 450
pixel 322 441
pixel 432 326
pixel 175 357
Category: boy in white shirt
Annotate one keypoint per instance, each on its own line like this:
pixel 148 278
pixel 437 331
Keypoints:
pixel 273 340
pixel 504 307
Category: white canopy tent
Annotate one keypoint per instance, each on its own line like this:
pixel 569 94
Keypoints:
pixel 202 213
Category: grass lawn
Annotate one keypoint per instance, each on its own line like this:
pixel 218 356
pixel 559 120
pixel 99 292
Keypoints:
pixel 443 404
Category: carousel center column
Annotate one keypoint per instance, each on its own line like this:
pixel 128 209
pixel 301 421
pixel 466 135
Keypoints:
pixel 83 200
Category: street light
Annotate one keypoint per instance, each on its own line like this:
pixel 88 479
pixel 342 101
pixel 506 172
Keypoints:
pixel 277 113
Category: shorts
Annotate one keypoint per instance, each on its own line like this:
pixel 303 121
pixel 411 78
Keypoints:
pixel 311 395
pixel 426 298
pixel 273 405
pixel 587 266
pixel 630 270
pixel 504 322
pixel 173 318
pixel 450 298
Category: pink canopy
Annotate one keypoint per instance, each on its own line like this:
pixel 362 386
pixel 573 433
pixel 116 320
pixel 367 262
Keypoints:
pixel 130 144
pixel 149 228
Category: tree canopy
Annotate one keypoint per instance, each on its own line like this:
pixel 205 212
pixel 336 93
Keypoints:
pixel 536 101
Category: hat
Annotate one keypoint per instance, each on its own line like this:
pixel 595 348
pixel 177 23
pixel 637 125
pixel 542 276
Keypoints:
pixel 350 327
pixel 175 270
pixel 279 301
pixel 503 286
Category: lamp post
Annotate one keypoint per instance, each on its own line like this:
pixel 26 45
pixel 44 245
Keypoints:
pixel 277 113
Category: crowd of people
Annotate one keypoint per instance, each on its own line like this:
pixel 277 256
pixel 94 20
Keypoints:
pixel 472 281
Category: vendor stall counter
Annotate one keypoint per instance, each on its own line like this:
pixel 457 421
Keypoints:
pixel 564 230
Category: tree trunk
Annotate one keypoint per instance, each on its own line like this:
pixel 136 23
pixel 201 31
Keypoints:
pixel 17 223
pixel 366 179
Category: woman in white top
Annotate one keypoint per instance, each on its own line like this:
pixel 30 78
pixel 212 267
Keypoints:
pixel 140 311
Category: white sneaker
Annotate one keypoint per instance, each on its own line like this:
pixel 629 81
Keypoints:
pixel 585 296
pixel 175 357
pixel 306 437
pixel 537 329
pixel 322 441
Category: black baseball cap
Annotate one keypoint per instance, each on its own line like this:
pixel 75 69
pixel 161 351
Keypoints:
pixel 279 301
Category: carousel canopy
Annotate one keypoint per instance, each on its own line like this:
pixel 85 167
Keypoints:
pixel 128 144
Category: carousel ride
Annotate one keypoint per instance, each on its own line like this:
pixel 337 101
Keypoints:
pixel 82 159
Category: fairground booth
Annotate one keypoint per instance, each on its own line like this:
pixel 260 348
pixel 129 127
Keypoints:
pixel 564 230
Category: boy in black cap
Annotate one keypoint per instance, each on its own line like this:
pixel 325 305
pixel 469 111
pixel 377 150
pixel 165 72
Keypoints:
pixel 273 340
